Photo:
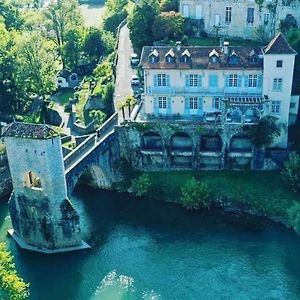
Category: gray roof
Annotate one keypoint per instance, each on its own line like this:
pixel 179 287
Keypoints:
pixel 30 131
pixel 199 58
pixel 279 45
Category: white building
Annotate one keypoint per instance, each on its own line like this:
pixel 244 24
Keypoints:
pixel 241 18
pixel 224 85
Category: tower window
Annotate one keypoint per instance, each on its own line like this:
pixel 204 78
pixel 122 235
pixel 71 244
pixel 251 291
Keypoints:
pixel 228 14
pixel 279 63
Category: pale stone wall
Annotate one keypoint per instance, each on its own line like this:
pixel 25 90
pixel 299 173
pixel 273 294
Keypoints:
pixel 213 13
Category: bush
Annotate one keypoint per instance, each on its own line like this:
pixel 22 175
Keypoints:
pixel 195 194
pixel 291 172
pixel 294 217
pixel 141 185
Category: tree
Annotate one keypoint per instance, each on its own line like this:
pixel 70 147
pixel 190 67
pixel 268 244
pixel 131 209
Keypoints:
pixel 12 286
pixel 140 22
pixel 94 46
pixel 61 17
pixel 264 132
pixel 98 116
pixel 141 185
pixel 168 25
pixel 35 64
pixel 294 216
pixel 11 15
pixel 115 13
pixel 169 5
pixel 195 194
pixel 291 172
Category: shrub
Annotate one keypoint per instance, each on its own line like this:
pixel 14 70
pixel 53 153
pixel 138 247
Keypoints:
pixel 291 172
pixel 195 194
pixel 294 217
pixel 141 185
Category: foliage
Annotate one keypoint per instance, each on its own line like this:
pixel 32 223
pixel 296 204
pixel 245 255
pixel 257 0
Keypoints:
pixel 291 172
pixel 94 45
pixel 11 15
pixel 195 194
pixel 264 132
pixel 141 185
pixel 168 25
pixel 12 286
pixel 140 22
pixel 104 72
pixel 98 116
pixel 169 5
pixel 109 93
pixel 114 14
pixel 294 217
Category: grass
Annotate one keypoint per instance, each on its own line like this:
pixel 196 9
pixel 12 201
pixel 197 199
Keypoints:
pixel 70 145
pixel 64 95
pixel 216 42
pixel 261 190
pixel 2 149
pixel 82 98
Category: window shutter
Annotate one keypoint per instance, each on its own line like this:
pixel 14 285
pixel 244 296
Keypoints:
pixel 259 81
pixel 227 80
pixel 210 80
pixel 168 80
pixel 155 79
pixel 199 80
pixel 186 105
pixel 239 83
pixel 246 81
pixel 169 106
pixel 187 81
pixel 200 106
pixel 155 106
pixel 216 80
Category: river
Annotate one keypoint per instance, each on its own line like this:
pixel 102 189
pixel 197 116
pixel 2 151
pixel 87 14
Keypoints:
pixel 143 249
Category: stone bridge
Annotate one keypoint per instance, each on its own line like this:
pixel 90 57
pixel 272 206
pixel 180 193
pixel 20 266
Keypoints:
pixel 94 158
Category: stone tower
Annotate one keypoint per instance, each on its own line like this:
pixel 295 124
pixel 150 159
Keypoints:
pixel 43 218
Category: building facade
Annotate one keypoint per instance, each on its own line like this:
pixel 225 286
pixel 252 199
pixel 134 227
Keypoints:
pixel 242 18
pixel 219 86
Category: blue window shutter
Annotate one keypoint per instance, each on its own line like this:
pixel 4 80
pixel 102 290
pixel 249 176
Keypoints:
pixel 246 80
pixel 199 80
pixel 216 80
pixel 155 80
pixel 186 106
pixel 155 106
pixel 168 80
pixel 211 80
pixel 239 83
pixel 259 81
pixel 227 80
pixel 200 106
pixel 187 80
pixel 169 106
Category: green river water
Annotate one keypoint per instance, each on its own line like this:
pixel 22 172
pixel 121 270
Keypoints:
pixel 142 249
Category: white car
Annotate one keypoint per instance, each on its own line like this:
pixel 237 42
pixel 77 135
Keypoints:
pixel 134 59
pixel 135 80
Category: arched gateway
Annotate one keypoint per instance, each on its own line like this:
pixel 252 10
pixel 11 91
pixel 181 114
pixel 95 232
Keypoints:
pixel 43 218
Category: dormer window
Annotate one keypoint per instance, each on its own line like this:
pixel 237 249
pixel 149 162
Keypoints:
pixel 153 56
pixel 253 57
pixel 234 59
pixel 214 57
pixel 170 56
pixel 186 56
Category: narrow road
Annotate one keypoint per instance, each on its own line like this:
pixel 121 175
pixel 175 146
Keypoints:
pixel 124 70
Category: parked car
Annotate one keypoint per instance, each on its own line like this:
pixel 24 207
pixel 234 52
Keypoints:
pixel 134 59
pixel 135 80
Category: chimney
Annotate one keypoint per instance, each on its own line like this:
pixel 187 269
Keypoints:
pixel 226 48
pixel 178 46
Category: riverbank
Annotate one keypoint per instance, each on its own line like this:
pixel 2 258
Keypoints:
pixel 261 193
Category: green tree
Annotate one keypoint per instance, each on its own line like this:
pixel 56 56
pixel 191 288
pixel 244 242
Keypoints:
pixel 35 68
pixel 141 185
pixel 12 287
pixel 264 132
pixel 195 194
pixel 169 5
pixel 291 172
pixel 294 217
pixel 140 22
pixel 94 46
pixel 168 25
pixel 11 15
pixel 98 116
pixel 61 17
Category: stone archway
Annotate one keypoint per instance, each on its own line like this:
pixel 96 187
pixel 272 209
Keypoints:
pixel 181 141
pixel 252 115
pixel 95 177
pixel 234 115
pixel 240 143
pixel 211 143
pixel 152 141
